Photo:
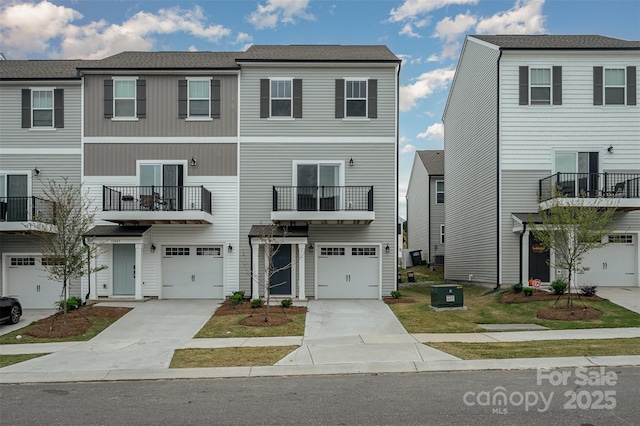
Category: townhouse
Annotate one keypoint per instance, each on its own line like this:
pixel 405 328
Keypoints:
pixel 525 115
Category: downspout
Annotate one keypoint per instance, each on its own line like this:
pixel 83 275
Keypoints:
pixel 84 243
pixel 397 171
pixel 250 268
pixel 498 233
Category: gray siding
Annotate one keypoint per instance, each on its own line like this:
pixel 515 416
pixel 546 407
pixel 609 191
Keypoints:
pixel 162 110
pixel 265 165
pixel 471 186
pixel 436 219
pixel 54 167
pixel 119 159
pixel 318 103
pixel 418 208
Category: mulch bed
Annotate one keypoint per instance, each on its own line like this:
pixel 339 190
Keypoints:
pixel 541 295
pixel 256 316
pixel 393 301
pixel 78 322
pixel 561 313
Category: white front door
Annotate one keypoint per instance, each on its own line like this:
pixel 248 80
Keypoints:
pixel 346 272
pixel 28 281
pixel 192 272
pixel 614 265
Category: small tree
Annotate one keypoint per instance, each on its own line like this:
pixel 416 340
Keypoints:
pixel 572 230
pixel 61 234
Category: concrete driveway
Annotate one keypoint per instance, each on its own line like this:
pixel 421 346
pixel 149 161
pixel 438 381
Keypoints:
pixel 28 316
pixel 627 297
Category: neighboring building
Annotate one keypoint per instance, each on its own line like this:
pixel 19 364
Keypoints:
pixel 318 150
pixel 425 206
pixel 527 113
pixel 40 140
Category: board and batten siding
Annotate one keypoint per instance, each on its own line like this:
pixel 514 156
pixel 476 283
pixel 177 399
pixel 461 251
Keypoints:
pixel 265 165
pixel 436 219
pixel 119 159
pixel 318 103
pixel 529 134
pixel 418 208
pixel 162 110
pixel 470 126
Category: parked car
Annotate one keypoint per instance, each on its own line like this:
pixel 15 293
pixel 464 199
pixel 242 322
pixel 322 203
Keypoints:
pixel 10 310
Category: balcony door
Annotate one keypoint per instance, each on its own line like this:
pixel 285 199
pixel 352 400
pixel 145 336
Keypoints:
pixel 582 175
pixel 14 193
pixel 318 187
pixel 165 180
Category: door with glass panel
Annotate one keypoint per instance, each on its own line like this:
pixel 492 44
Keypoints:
pixel 161 186
pixel 318 187
pixel 578 173
pixel 14 192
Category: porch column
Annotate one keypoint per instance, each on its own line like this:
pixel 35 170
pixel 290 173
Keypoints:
pixel 301 268
pixel 255 248
pixel 524 274
pixel 138 279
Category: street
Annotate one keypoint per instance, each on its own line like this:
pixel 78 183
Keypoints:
pixel 596 396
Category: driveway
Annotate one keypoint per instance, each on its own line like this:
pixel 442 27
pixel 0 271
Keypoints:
pixel 627 297
pixel 28 316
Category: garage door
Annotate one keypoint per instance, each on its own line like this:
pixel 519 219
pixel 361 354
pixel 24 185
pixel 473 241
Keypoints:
pixel 613 265
pixel 192 272
pixel 348 273
pixel 28 281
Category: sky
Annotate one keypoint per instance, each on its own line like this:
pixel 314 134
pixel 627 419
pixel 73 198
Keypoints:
pixel 426 34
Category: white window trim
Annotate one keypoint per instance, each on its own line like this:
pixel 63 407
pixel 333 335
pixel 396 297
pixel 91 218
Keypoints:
pixel 575 150
pixel 541 67
pixel 28 173
pixel 134 117
pixel 296 163
pixel 441 234
pixel 53 108
pixel 366 99
pixel 198 118
pixel 623 68
pixel 271 98
pixel 439 192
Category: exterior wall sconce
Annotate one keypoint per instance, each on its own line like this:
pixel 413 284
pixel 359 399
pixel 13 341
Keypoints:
pixel 36 171
pixel 310 248
pixel 351 162
pixel 153 248
pixel 230 248
pixel 610 149
pixel 193 161
pixel 386 249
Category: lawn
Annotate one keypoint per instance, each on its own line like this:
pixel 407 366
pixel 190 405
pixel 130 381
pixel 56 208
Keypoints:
pixel 484 307
pixel 229 357
pixel 422 273
pixel 542 349
pixel 6 360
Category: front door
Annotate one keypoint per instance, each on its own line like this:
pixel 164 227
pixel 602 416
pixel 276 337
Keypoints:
pixel 124 269
pixel 538 260
pixel 280 281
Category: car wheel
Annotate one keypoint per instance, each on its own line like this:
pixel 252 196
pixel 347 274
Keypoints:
pixel 14 317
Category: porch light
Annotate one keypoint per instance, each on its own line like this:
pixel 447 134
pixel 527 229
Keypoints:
pixel 193 161
pixel 230 248
pixel 153 248
pixel 386 249
pixel 310 248
pixel 351 162
pixel 36 171
pixel 610 149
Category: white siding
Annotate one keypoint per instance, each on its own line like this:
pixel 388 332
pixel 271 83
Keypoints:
pixel 418 208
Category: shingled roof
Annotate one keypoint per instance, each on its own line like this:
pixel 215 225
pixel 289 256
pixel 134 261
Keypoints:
pixel 40 70
pixel 166 60
pixel 318 53
pixel 558 42
pixel 433 161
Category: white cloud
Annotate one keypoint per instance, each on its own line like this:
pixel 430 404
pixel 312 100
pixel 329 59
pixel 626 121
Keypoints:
pixel 450 29
pixel 408 31
pixel 192 48
pixel 524 18
pixel 410 9
pixel 407 149
pixel 279 11
pixel 425 85
pixel 96 39
pixel 435 131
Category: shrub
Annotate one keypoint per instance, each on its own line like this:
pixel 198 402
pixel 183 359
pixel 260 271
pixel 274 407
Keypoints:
pixel 396 294
pixel 559 287
pixel 285 303
pixel 237 297
pixel 517 288
pixel 256 303
pixel 528 291
pixel 588 290
pixel 73 302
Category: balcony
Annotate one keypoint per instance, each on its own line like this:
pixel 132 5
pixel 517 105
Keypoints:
pixel 323 204
pixel 16 213
pixel 156 204
pixel 616 190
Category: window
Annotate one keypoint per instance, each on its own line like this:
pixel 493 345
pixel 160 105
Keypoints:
pixel 42 108
pixel 208 251
pixel 441 234
pixel 356 98
pixel 199 100
pixel 23 261
pixel 177 251
pixel 163 184
pixel 14 197
pixel 540 86
pixel 281 98
pixel 318 186
pixel 621 239
pixel 124 98
pixel 363 251
pixel 439 192
pixel 614 86
pixel 332 251
pixel 577 173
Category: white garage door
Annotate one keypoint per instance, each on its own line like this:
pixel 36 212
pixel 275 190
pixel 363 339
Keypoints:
pixel 614 265
pixel 348 273
pixel 192 272
pixel 29 283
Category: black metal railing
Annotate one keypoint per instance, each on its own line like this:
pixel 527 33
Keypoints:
pixel 156 198
pixel 26 209
pixel 590 185
pixel 322 198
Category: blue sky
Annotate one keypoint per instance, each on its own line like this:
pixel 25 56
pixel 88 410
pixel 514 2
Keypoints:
pixel 426 34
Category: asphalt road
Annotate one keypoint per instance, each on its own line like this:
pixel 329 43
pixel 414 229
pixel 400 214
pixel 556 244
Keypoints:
pixel 560 397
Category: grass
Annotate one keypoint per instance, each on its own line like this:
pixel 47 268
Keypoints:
pixel 422 273
pixel 484 307
pixel 98 325
pixel 229 326
pixel 6 360
pixel 540 349
pixel 229 357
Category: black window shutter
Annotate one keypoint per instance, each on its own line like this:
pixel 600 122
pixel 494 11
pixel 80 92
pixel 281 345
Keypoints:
pixel 264 98
pixel 631 85
pixel 58 108
pixel 297 98
pixel 372 91
pixel 524 85
pixel 339 98
pixel 597 85
pixel 108 98
pixel 557 85
pixel 215 98
pixel 141 98
pixel 26 108
pixel 182 98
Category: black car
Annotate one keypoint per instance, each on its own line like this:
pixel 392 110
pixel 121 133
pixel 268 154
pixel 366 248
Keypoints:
pixel 10 310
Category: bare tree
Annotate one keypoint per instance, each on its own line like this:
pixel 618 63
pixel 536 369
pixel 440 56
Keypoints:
pixel 571 229
pixel 61 230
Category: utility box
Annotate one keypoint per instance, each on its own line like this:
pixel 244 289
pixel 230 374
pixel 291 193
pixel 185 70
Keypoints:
pixel 447 296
